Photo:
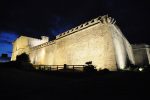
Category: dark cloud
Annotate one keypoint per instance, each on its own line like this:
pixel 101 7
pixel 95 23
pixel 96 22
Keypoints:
pixel 5 42
pixel 6 39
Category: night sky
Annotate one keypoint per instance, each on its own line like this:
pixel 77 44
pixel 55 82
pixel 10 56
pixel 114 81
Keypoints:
pixel 35 18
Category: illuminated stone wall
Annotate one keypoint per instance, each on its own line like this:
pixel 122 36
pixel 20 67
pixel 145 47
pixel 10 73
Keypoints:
pixel 91 44
pixel 123 49
pixel 43 54
pixel 24 43
pixel 141 54
pixel 98 40
pixel 19 46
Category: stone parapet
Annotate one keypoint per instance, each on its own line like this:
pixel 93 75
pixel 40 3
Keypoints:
pixel 101 19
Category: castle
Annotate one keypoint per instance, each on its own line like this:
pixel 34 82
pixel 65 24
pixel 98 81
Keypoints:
pixel 99 40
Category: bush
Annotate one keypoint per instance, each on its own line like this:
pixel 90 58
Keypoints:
pixel 105 70
pixel 23 62
pixel 89 67
pixel 133 67
pixel 26 66
pixel 23 58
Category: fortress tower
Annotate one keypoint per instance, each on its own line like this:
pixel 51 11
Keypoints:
pixel 98 40
pixel 24 43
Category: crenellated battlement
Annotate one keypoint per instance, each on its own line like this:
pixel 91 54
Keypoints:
pixel 43 45
pixel 101 19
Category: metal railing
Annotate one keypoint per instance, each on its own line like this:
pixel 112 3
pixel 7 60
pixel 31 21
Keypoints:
pixel 59 67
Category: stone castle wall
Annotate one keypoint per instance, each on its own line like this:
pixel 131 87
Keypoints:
pixel 43 54
pixel 19 46
pixel 23 44
pixel 98 40
pixel 89 44
pixel 123 49
pixel 141 54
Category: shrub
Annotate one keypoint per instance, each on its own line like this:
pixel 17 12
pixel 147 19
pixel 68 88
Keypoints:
pixel 23 58
pixel 89 67
pixel 23 62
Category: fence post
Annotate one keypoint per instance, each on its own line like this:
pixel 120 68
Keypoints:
pixel 73 68
pixel 65 66
pixel 57 67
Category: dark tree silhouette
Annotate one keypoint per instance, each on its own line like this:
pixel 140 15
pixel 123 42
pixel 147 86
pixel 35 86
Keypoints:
pixel 23 62
pixel 23 58
pixel 89 67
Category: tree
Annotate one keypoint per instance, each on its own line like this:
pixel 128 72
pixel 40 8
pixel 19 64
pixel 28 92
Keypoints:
pixel 23 58
pixel 23 62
